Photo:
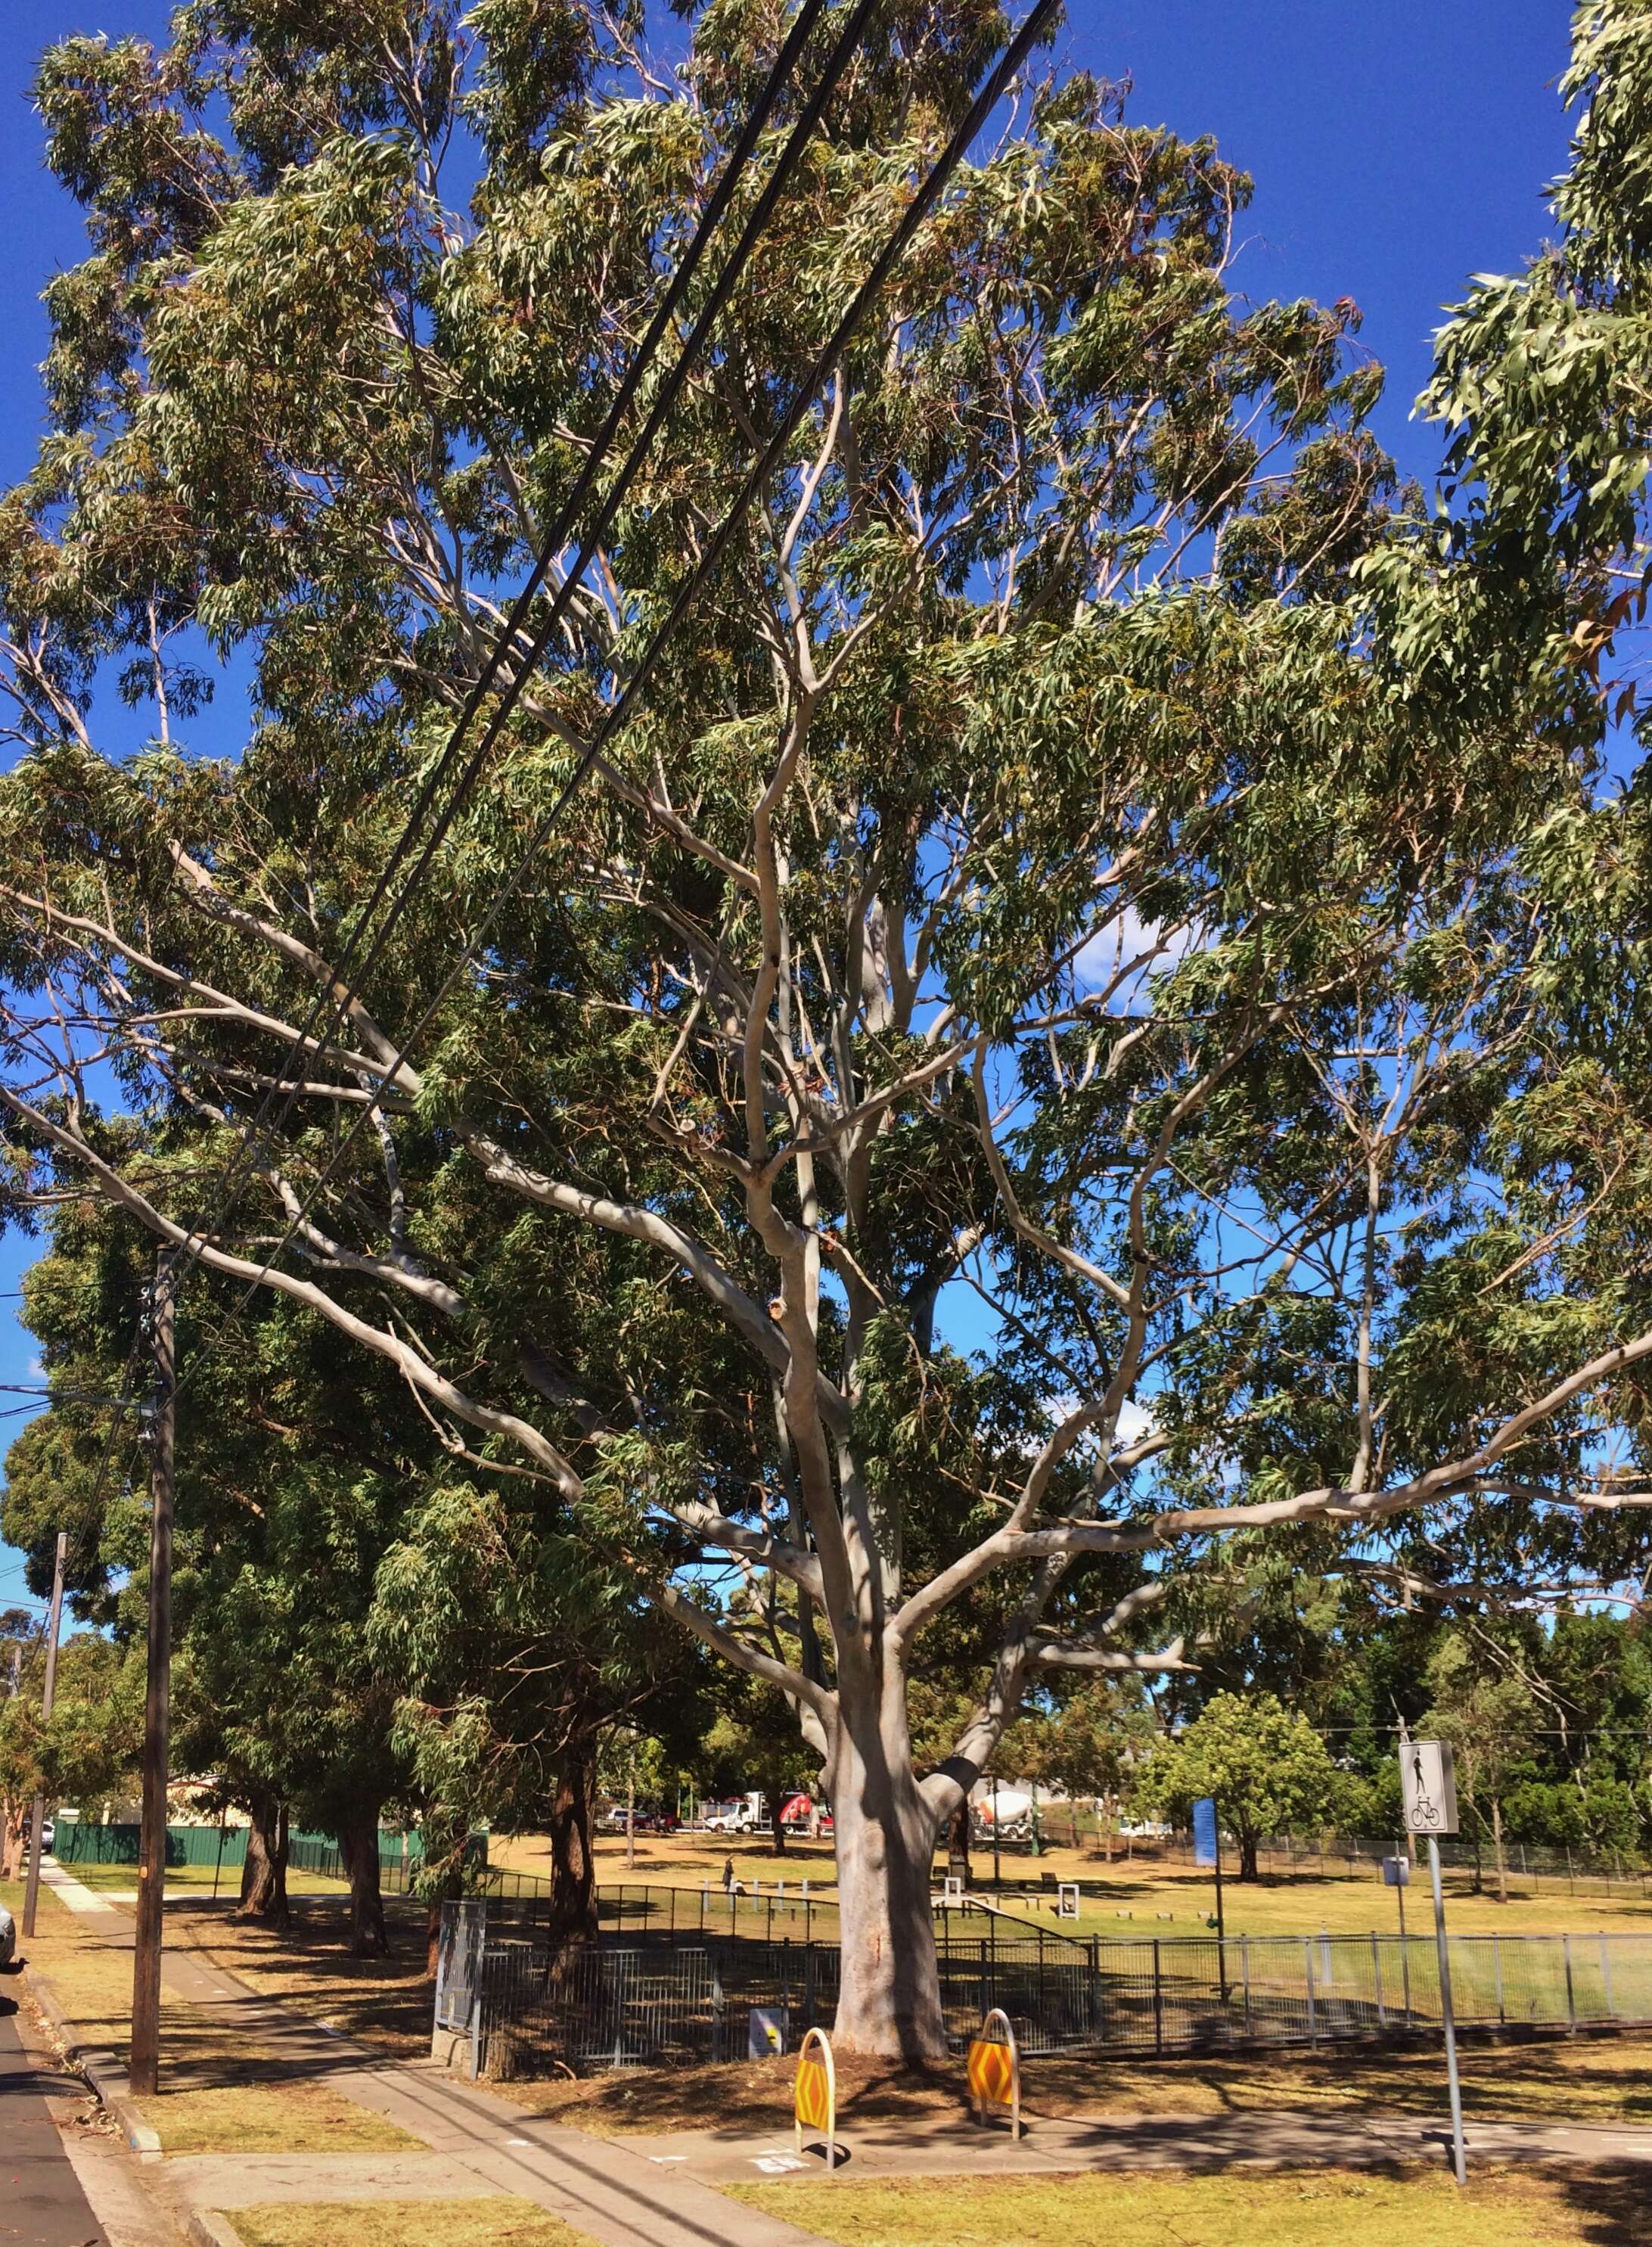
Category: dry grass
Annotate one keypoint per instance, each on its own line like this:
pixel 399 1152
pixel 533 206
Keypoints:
pixel 223 2090
pixel 1329 2208
pixel 1597 2080
pixel 1140 1898
pixel 253 2112
pixel 501 2222
pixel 384 2002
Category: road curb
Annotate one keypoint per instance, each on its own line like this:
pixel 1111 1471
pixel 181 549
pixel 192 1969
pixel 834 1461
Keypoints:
pixel 209 2227
pixel 99 2064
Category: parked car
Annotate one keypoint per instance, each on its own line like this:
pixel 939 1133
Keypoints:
pixel 8 1936
pixel 649 1819
pixel 48 1835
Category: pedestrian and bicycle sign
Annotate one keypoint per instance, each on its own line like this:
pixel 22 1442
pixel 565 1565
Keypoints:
pixel 1428 1786
pixel 1428 1789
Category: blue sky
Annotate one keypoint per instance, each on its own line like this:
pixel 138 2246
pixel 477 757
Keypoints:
pixel 1396 149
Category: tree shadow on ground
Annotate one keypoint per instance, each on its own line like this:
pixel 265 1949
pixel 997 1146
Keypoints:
pixel 384 2002
pixel 1613 2199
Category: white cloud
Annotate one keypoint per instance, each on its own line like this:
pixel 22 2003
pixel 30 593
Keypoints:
pixel 1135 1421
pixel 1131 949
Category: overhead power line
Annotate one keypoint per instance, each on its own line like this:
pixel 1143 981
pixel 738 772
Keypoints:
pixel 928 192
pixel 335 1001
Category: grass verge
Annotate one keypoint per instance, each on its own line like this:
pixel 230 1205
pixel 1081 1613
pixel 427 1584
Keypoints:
pixel 502 2220
pixel 384 2002
pixel 224 2092
pixel 1323 2209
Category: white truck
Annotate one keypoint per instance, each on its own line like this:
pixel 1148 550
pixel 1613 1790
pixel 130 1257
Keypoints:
pixel 742 1816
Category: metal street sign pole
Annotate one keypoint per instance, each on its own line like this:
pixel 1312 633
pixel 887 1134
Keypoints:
pixel 1459 2160
pixel 1405 1948
pixel 1207 1850
pixel 36 1825
pixel 1428 1789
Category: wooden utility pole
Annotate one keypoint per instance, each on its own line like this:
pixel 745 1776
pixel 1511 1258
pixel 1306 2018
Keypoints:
pixel 36 1824
pixel 152 1842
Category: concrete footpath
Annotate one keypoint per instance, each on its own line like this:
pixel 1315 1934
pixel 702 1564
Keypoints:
pixel 478 2143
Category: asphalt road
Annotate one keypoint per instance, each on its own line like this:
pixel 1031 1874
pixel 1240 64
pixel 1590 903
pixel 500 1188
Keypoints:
pixel 41 2203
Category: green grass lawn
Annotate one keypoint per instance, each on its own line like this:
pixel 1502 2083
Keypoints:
pixel 194 1879
pixel 1325 2208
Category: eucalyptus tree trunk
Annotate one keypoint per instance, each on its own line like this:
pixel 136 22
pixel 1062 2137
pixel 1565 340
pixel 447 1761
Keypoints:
pixel 358 1846
pixel 573 1893
pixel 889 2000
pixel 264 1871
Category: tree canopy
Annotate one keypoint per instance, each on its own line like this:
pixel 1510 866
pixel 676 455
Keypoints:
pixel 1058 1046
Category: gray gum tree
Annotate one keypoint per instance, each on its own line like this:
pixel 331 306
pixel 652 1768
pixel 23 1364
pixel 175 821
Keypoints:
pixel 1020 911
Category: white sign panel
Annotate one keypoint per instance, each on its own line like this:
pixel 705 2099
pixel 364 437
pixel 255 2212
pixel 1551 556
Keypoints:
pixel 1428 1786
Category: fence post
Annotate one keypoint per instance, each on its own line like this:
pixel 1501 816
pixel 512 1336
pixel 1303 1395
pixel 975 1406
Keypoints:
pixel 1313 2018
pixel 1158 2002
pixel 1571 1994
pixel 478 1991
pixel 1497 1960
pixel 1606 1977
pixel 1377 1977
pixel 1245 1963
pixel 620 1963
pixel 715 2053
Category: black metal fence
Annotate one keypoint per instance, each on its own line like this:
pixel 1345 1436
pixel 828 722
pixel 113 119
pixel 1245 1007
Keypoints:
pixel 1532 1866
pixel 651 2000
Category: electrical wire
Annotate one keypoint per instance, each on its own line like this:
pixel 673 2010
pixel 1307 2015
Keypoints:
pixel 344 973
pixel 1041 16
